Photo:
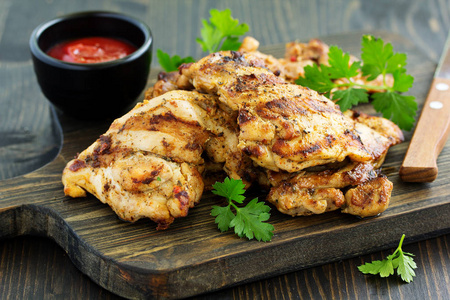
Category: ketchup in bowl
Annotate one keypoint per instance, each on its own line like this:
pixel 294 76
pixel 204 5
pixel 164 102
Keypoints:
pixel 91 50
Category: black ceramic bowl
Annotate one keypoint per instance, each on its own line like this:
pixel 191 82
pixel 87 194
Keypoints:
pixel 95 90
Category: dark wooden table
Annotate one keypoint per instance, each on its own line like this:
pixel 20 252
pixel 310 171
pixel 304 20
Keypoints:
pixel 36 267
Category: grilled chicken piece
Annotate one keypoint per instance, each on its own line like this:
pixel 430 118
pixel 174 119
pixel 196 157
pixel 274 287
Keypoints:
pixel 282 126
pixel 365 200
pixel 316 192
pixel 168 82
pixel 368 199
pixel 221 148
pixel 148 163
pixel 303 185
pixel 250 45
pixel 381 125
pixel 290 200
pixel 297 57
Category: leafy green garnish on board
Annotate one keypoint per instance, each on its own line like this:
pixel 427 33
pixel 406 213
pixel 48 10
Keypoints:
pixel 171 63
pixel 402 261
pixel 221 32
pixel 248 220
pixel 377 58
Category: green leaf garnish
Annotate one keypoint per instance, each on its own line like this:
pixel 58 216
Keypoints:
pixel 402 261
pixel 350 97
pixel 221 32
pixel 247 221
pixel 170 64
pixel 378 58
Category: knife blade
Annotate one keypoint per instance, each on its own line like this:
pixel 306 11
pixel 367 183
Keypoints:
pixel 432 129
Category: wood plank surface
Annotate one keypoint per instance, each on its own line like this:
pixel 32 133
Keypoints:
pixel 192 256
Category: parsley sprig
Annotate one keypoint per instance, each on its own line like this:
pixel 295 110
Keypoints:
pixel 247 221
pixel 402 261
pixel 377 58
pixel 221 32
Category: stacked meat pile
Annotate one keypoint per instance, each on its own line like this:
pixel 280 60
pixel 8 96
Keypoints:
pixel 238 114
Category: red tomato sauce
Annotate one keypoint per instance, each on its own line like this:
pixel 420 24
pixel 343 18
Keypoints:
pixel 91 50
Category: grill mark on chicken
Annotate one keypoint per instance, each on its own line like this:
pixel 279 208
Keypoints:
pixel 254 150
pixel 146 122
pixel 105 145
pixel 235 57
pixel 182 196
pixel 77 165
pixel 283 107
pixel 283 149
pixel 244 116
pixel 146 180
pixel 368 199
pixel 252 82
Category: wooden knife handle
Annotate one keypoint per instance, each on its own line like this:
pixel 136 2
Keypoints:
pixel 432 129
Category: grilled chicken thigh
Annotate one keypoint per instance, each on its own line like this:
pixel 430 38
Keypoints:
pixel 292 192
pixel 282 126
pixel 148 163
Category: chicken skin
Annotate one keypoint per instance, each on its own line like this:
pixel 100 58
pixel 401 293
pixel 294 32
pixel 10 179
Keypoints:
pixel 283 126
pixel 148 163
pixel 292 192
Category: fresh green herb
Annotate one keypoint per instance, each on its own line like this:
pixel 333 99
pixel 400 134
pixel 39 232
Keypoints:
pixel 170 64
pixel 402 261
pixel 221 32
pixel 158 178
pixel 249 220
pixel 378 59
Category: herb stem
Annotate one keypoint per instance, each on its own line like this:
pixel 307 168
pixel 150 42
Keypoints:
pixel 400 243
pixel 364 86
pixel 234 205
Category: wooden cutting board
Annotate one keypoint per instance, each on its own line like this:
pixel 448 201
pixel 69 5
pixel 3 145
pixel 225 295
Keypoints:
pixel 192 256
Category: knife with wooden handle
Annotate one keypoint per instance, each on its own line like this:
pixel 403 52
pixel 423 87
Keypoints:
pixel 432 129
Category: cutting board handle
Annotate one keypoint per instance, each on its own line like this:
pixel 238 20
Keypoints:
pixel 419 164
pixel 26 189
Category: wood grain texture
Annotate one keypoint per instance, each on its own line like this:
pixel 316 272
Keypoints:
pixel 430 135
pixel 37 268
pixel 193 257
pixel 41 264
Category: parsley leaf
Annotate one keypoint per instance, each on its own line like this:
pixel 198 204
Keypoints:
pixel 399 108
pixel 221 32
pixel 224 216
pixel 231 189
pixel 374 54
pixel 169 63
pixel 402 261
pixel 378 59
pixel 316 78
pixel 340 64
pixel 350 97
pixel 249 220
